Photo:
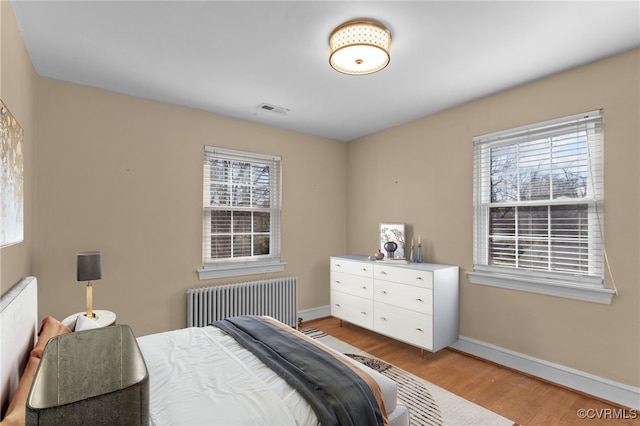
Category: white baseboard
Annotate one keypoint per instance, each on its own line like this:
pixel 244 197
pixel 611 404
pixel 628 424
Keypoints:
pixel 619 393
pixel 315 313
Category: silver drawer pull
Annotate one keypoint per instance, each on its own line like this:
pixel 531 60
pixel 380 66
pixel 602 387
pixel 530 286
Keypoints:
pixel 364 269
pixel 383 318
pixel 363 313
pixel 338 282
pixel 338 265
pixel 383 272
pixel 419 278
pixel 383 292
pixel 419 300
pixel 338 305
pixel 364 287
pixel 419 329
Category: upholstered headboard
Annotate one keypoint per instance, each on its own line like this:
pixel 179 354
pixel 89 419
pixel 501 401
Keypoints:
pixel 18 330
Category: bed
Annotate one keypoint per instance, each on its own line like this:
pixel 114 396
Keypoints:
pixel 199 375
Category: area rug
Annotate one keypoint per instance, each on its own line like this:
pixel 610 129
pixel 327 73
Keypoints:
pixel 429 405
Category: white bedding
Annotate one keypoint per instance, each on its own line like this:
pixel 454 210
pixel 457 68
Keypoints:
pixel 203 376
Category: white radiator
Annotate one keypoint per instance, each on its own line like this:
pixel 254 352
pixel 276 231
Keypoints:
pixel 275 297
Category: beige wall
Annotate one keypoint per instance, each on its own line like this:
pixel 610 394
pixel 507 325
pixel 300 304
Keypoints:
pixel 17 88
pixel 421 173
pixel 124 175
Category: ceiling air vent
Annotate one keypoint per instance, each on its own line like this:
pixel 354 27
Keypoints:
pixel 273 108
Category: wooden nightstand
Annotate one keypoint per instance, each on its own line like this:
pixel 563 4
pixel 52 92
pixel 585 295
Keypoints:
pixel 103 319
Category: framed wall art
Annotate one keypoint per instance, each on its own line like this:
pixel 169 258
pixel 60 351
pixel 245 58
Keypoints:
pixel 11 179
pixel 392 240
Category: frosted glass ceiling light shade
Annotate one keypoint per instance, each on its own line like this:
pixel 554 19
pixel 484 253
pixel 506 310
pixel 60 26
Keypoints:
pixel 359 47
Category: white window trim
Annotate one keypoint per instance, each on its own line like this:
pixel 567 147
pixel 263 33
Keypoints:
pixel 259 264
pixel 529 281
pixel 572 286
pixel 211 271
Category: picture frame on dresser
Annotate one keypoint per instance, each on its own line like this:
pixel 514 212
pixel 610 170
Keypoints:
pixel 392 240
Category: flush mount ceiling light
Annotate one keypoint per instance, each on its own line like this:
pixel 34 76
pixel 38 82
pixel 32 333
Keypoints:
pixel 359 47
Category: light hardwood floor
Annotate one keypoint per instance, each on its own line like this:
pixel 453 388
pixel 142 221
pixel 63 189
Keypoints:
pixel 518 397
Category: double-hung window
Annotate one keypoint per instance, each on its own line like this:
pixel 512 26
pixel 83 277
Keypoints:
pixel 538 217
pixel 241 209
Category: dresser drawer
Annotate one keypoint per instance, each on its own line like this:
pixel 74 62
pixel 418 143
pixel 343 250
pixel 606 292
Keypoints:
pixel 401 324
pixel 413 302
pixel 353 309
pixel 364 269
pixel 408 276
pixel 419 299
pixel 352 284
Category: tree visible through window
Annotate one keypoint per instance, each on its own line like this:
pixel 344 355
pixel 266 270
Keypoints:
pixel 241 206
pixel 538 195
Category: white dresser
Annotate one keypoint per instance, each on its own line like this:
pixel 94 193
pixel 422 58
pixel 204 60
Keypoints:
pixel 416 302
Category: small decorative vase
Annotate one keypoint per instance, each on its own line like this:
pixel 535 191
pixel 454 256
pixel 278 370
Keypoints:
pixel 419 253
pixel 411 258
pixel 379 255
pixel 390 247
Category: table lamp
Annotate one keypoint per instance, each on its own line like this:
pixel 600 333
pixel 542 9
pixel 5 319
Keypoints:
pixel 89 268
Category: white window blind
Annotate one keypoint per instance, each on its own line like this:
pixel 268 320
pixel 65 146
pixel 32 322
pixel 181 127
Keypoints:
pixel 241 199
pixel 538 198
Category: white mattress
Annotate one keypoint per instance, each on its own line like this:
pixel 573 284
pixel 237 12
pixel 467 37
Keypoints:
pixel 203 376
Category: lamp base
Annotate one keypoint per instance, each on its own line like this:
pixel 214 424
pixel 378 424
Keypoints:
pixel 89 313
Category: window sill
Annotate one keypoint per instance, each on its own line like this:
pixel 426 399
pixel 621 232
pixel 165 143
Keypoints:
pixel 541 285
pixel 233 270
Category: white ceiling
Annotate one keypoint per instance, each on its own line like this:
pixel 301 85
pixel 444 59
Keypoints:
pixel 228 57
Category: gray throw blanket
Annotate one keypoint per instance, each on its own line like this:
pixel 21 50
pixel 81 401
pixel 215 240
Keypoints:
pixel 337 395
